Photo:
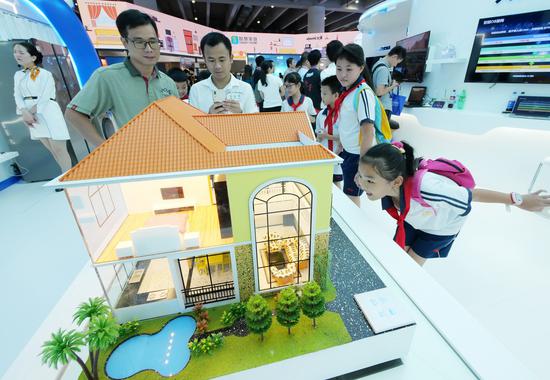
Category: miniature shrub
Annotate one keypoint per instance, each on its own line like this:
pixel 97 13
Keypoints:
pixel 205 345
pixel 313 301
pixel 288 308
pixel 237 311
pixel 202 326
pixel 128 329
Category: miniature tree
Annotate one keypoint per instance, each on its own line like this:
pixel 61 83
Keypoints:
pixel 288 308
pixel 258 315
pixel 313 301
pixel 102 333
pixel 87 311
pixel 62 348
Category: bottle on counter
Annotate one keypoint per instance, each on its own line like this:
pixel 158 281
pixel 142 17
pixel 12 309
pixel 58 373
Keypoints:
pixel 461 99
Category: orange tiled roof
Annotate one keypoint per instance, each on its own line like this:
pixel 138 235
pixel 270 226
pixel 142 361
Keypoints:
pixel 171 136
pixel 258 128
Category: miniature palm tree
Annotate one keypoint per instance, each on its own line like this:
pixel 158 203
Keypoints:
pixel 258 315
pixel 313 301
pixel 102 334
pixel 87 311
pixel 63 347
pixel 288 308
pixel 94 307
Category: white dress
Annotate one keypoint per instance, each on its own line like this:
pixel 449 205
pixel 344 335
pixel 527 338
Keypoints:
pixel 40 92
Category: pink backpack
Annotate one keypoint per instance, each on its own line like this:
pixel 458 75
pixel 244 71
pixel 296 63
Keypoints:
pixel 451 169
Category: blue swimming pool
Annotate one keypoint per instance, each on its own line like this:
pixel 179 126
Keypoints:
pixel 165 352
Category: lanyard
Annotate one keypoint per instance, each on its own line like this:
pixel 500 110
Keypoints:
pixel 329 126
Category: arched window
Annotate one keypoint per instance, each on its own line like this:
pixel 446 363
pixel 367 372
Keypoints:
pixel 282 223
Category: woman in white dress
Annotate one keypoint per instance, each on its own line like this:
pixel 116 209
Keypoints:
pixel 34 93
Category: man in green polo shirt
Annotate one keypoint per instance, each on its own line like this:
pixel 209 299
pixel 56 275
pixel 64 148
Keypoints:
pixel 125 88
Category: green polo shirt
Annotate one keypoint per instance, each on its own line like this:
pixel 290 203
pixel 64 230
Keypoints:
pixel 121 89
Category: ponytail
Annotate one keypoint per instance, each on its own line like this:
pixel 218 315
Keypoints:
pixel 392 160
pixel 266 65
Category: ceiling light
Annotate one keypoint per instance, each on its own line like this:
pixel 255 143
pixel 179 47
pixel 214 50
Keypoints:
pixel 196 18
pixel 356 1
pixel 325 18
pixel 273 6
pixel 257 22
pixel 193 1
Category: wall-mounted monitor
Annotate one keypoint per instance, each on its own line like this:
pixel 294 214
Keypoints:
pixel 511 49
pixel 279 60
pixel 417 53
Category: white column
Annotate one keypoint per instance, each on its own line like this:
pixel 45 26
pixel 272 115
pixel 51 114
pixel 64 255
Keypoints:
pixel 316 19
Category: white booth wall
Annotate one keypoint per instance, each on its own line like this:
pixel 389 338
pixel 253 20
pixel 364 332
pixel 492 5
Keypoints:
pixel 498 266
pixel 455 22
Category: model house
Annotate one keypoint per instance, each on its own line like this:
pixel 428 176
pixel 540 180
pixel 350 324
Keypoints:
pixel 180 207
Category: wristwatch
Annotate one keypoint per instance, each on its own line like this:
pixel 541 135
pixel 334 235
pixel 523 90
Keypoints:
pixel 516 198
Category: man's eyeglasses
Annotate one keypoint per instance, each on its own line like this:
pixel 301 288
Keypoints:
pixel 141 44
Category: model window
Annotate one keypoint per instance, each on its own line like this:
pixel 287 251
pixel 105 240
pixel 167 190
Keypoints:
pixel 102 203
pixel 207 278
pixel 282 223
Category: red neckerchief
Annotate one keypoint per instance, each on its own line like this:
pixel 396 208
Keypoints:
pixel 338 103
pixel 295 106
pixel 329 126
pixel 400 216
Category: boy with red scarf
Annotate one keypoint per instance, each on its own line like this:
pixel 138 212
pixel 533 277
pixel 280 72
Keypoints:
pixel 326 127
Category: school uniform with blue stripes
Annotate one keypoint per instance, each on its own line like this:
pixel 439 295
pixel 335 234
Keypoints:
pixel 430 231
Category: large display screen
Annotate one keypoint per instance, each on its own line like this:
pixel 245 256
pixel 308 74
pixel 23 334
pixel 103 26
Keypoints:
pixel 417 53
pixel 279 61
pixel 512 49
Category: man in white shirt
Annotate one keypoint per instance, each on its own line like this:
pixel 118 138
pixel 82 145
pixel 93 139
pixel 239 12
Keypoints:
pixel 333 48
pixel 221 92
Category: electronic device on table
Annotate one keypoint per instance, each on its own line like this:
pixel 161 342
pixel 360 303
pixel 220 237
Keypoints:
pixel 532 106
pixel 438 104
pixel 416 96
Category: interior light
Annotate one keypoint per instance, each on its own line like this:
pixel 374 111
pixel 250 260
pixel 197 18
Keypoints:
pixel 273 6
pixel 196 18
pixel 193 1
pixel 356 1
pixel 257 22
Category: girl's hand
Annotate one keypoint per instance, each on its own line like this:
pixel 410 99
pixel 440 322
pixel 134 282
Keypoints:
pixel 321 136
pixel 535 201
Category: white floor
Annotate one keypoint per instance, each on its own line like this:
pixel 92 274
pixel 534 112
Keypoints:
pixel 499 274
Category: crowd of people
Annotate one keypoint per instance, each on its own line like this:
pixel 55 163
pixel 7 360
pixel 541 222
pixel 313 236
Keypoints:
pixel 349 109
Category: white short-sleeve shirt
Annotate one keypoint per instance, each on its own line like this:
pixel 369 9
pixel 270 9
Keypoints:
pixel 449 203
pixel 202 93
pixel 358 107
pixel 271 93
pixel 306 106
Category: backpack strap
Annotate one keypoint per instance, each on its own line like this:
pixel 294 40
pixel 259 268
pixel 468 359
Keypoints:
pixel 378 65
pixel 417 183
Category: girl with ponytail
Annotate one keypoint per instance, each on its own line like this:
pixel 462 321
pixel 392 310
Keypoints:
pixel 426 226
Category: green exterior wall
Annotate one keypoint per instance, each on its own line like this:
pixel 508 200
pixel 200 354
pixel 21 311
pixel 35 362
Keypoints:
pixel 240 187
